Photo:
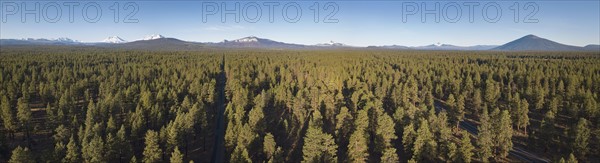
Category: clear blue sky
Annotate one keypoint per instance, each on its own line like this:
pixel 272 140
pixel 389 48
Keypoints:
pixel 360 23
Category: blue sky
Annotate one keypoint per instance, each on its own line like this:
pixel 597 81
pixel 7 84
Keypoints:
pixel 359 23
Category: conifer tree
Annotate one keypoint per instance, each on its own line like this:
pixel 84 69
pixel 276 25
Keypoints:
pixel 580 138
pixel 503 134
pixel 390 155
pixel 485 137
pixel 358 143
pixel 466 148
pixel 72 154
pixel 21 155
pixel 152 152
pixel 176 156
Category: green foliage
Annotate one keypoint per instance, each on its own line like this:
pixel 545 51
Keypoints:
pixel 485 137
pixel 73 153
pixel 572 159
pixel 176 156
pixel 389 155
pixel 318 146
pixel 152 152
pixel 580 138
pixel 269 145
pixel 8 116
pixel 98 104
pixel 424 146
pixel 24 113
pixel 503 133
pixel 466 148
pixel 240 155
pixel 21 155
pixel 358 142
pixel 385 130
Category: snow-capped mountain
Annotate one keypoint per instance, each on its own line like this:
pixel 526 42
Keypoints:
pixel 159 42
pixel 64 39
pixel 247 39
pixel 153 37
pixel 114 40
pixel 40 41
pixel 256 42
pixel 332 43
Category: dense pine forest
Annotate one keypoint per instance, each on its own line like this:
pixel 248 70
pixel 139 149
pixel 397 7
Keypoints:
pixel 85 104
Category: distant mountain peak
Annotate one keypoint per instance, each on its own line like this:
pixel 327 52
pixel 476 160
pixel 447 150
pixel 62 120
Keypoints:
pixel 114 40
pixel 530 36
pixel 332 43
pixel 64 39
pixel 153 37
pixel 60 39
pixel 535 43
pixel 247 39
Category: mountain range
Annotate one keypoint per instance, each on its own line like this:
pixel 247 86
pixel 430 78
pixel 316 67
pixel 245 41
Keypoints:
pixel 532 42
pixel 159 42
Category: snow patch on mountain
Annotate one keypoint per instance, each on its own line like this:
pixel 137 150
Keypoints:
pixel 331 43
pixel 114 40
pixel 247 39
pixel 153 37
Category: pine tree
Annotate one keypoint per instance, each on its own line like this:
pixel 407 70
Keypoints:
pixel 124 148
pixel 385 131
pixel 554 105
pixel 269 145
pixel 95 150
pixel 523 117
pixel 572 159
pixel 451 151
pixel 318 146
pixel 240 154
pixel 277 156
pixel 547 132
pixel 152 152
pixel 8 116
pixel 72 154
pixel 389 155
pixel 590 106
pixel 425 145
pixel 24 115
pixel 408 137
pixel 59 151
pixel 358 143
pixel 460 110
pixel 491 90
pixel 477 101
pixel 112 147
pixel 485 137
pixel 133 159
pixel 451 102
pixel 21 155
pixel 343 124
pixel 539 100
pixel 466 148
pixel 255 119
pixel 503 134
pixel 176 156
pixel 580 138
